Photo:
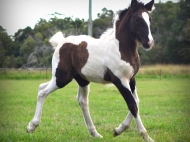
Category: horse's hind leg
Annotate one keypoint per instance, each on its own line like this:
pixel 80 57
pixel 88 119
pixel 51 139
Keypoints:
pixel 44 90
pixel 82 97
pixel 43 85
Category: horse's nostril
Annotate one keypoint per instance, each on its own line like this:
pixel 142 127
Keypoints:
pixel 147 43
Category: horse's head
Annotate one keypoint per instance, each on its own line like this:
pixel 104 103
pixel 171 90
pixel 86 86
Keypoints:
pixel 136 22
pixel 140 23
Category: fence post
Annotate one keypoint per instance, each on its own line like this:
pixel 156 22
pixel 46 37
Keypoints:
pixel 5 73
pixel 46 72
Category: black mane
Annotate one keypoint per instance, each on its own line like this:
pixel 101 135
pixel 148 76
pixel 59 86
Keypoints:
pixel 121 13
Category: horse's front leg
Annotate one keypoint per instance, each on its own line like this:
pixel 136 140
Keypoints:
pixel 83 102
pixel 127 122
pixel 132 101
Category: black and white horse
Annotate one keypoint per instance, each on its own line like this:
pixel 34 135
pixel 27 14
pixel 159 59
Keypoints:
pixel 113 58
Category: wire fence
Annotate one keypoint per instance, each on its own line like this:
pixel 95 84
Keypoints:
pixel 158 72
pixel 26 73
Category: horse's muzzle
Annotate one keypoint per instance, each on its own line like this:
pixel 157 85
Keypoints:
pixel 148 44
pixel 151 43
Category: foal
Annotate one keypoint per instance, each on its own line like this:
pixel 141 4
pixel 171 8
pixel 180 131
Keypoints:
pixel 113 58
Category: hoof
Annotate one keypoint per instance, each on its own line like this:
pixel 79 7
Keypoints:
pixel 99 136
pixel 146 137
pixel 95 134
pixel 31 127
pixel 115 134
pixel 117 131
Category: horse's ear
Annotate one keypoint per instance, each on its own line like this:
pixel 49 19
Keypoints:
pixel 133 3
pixel 149 6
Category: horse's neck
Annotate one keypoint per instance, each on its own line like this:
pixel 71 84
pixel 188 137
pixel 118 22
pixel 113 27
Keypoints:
pixel 129 52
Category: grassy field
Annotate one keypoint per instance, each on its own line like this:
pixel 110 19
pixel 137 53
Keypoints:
pixel 164 109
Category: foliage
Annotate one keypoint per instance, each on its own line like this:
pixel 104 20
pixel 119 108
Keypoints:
pixel 170 28
pixel 103 22
pixel 8 49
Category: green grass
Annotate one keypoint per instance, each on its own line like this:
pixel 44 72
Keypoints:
pixel 164 109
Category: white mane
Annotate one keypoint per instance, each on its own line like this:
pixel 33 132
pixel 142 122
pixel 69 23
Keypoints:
pixel 107 33
pixel 110 31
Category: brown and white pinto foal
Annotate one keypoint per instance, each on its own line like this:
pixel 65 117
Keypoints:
pixel 113 58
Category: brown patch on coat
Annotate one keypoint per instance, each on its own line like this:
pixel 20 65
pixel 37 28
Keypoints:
pixel 72 58
pixel 80 56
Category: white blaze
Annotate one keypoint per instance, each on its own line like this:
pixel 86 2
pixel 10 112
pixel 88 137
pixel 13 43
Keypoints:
pixel 146 18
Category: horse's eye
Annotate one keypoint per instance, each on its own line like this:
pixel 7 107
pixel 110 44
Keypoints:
pixel 137 20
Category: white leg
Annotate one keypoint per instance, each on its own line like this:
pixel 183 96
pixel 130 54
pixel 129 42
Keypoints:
pixel 139 123
pixel 142 129
pixel 44 90
pixel 43 85
pixel 83 102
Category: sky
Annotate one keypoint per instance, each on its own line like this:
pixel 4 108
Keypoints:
pixel 18 14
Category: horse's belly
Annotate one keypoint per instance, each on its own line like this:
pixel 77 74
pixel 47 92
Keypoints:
pixel 94 72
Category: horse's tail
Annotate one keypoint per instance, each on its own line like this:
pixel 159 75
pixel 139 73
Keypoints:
pixel 57 39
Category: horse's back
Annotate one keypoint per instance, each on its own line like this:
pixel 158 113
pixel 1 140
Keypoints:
pixel 78 39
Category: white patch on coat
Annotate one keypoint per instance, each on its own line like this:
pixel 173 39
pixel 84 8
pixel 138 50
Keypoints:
pixel 104 53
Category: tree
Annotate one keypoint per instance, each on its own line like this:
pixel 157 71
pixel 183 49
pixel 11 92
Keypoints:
pixel 27 48
pixel 22 34
pixel 170 31
pixel 179 43
pixel 103 22
pixel 8 49
pixel 170 28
